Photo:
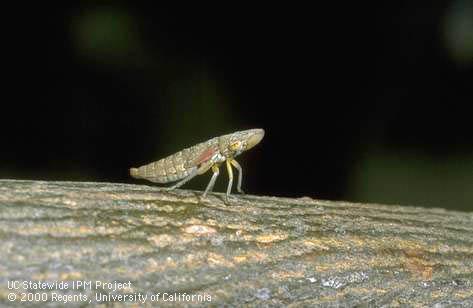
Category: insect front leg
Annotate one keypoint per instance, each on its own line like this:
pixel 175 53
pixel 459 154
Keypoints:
pixel 240 175
pixel 210 186
pixel 230 180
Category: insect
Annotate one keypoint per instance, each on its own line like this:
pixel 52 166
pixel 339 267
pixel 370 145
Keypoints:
pixel 198 159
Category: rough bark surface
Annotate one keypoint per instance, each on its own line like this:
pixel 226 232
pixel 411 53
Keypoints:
pixel 256 251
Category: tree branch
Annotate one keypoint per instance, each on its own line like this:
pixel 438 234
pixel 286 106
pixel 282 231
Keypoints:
pixel 255 251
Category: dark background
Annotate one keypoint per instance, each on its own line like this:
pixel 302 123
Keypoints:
pixel 359 103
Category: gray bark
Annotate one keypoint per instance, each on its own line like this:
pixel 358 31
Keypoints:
pixel 256 251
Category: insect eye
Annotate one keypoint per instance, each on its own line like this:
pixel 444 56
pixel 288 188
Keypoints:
pixel 235 146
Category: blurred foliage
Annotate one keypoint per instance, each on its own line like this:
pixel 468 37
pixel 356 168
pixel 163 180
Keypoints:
pixel 196 110
pixel 458 29
pixel 108 35
pixel 413 178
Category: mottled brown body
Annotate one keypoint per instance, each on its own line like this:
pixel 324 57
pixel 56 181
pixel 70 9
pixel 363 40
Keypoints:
pixel 174 167
pixel 198 159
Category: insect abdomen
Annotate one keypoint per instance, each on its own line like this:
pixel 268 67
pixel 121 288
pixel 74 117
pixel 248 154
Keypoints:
pixel 169 169
pixel 174 167
pixel 165 170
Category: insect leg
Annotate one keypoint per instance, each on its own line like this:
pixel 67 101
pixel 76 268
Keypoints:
pixel 240 175
pixel 211 184
pixel 185 180
pixel 230 179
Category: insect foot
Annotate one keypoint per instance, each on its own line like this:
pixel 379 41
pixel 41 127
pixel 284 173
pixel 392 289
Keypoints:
pixel 229 200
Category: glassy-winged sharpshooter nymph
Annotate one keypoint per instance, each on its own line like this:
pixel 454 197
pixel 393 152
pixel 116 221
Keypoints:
pixel 198 159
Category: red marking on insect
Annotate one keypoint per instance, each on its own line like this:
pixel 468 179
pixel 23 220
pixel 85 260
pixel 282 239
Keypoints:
pixel 205 156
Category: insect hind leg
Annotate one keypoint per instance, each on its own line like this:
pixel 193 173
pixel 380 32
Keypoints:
pixel 184 180
pixel 210 186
